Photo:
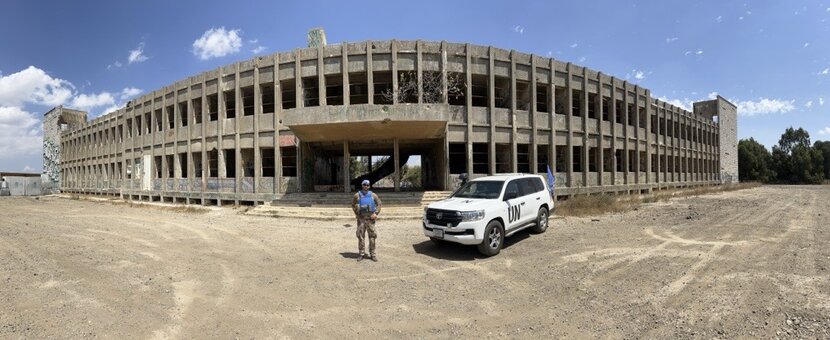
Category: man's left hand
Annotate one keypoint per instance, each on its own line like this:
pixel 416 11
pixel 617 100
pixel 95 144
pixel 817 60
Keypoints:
pixel 374 216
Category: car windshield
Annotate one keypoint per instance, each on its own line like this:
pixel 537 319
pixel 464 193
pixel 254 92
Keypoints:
pixel 480 189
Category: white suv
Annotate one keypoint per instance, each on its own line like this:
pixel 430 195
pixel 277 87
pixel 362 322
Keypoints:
pixel 486 210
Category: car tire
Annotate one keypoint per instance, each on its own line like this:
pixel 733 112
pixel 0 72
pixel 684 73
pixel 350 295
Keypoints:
pixel 541 221
pixel 493 239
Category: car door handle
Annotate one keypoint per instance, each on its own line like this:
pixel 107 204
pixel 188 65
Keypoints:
pixel 523 203
pixel 538 198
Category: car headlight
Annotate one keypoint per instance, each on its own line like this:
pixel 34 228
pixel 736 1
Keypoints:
pixel 476 215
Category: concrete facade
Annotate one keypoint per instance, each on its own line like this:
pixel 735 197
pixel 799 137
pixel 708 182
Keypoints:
pixel 290 121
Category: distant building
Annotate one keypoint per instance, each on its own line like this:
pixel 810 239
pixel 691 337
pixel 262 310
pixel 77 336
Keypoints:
pixel 293 121
pixel 20 184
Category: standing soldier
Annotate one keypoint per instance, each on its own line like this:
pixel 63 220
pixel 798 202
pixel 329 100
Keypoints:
pixel 366 206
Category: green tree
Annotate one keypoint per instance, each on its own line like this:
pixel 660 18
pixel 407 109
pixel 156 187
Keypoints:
pixel 411 176
pixel 754 161
pixel 824 148
pixel 795 160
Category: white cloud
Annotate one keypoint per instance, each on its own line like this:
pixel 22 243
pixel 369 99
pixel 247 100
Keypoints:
pixel 821 101
pixel 87 102
pixel 740 18
pixel 258 50
pixel 34 86
pixel 719 18
pixel 254 41
pixel 574 45
pixel 699 52
pixel 519 29
pixel 137 55
pixel 19 133
pixel 824 131
pixel 824 71
pixel 809 103
pixel 639 75
pixel 129 92
pixel 27 168
pixel 582 59
pixel 685 104
pixel 671 40
pixel 764 106
pixel 712 95
pixel 116 64
pixel 217 42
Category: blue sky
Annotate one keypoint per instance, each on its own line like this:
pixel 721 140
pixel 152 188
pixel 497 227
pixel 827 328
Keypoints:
pixel 768 57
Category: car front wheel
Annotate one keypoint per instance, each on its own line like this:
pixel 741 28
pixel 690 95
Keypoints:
pixel 493 239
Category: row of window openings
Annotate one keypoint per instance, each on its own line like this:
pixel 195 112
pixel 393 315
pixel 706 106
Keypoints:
pixel 430 84
pixel 480 156
pixel 288 157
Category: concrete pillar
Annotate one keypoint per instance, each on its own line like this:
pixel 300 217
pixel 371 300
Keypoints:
pixel 321 77
pixel 277 116
pixel 568 118
pixel 468 95
pixel 491 107
pixel 552 117
pixel 586 160
pixel 514 167
pixel 346 161
pixel 370 77
pixel 239 114
pixel 600 131
pixel 626 137
pixel 220 97
pixel 257 114
pixel 614 142
pixel 419 71
pixel 394 49
pixel 344 70
pixel 534 158
pixel 396 162
pixel 203 154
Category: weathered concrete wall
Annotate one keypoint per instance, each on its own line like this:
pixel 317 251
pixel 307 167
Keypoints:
pixel 728 125
pixel 55 121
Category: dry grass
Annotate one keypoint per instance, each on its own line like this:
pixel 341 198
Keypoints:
pixel 584 205
pixel 189 209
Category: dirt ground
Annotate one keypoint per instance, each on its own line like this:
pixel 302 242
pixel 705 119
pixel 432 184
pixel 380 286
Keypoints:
pixel 751 263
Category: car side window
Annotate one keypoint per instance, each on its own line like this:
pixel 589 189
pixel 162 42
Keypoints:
pixel 513 187
pixel 527 186
pixel 538 183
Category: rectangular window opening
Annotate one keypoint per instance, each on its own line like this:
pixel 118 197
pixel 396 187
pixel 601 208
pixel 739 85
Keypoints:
pixel 458 158
pixel 230 163
pixel 183 114
pixel 383 87
pixel 267 157
pixel 247 100
pixel 480 158
pixel 230 103
pixel 197 110
pixel 542 158
pixel 479 91
pixel 213 107
pixel 358 88
pixel 247 157
pixel 522 95
pixel 334 89
pixel 577 159
pixel 289 161
pixel 542 98
pixel 502 91
pixel 523 157
pixel 266 93
pixel 288 88
pixel 561 158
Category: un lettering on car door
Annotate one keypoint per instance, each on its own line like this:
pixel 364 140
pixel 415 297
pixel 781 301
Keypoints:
pixel 514 213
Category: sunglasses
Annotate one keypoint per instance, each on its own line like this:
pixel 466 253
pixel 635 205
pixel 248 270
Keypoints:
pixel 365 185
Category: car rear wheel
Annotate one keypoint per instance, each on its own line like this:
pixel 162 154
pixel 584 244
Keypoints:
pixel 541 221
pixel 493 239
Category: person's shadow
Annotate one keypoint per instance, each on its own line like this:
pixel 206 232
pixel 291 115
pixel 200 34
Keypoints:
pixel 349 255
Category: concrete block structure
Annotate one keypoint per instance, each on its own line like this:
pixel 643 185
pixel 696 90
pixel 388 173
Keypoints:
pixel 293 121
pixel 55 121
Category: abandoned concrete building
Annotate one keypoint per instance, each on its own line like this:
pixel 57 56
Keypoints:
pixel 293 121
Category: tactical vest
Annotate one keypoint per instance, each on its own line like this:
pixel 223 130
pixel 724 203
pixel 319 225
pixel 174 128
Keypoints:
pixel 365 203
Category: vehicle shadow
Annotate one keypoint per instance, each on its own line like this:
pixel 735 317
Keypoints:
pixel 459 252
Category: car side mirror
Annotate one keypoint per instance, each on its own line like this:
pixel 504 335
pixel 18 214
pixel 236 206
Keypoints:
pixel 510 195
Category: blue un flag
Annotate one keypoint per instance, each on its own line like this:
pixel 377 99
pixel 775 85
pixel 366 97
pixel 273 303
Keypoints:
pixel 551 181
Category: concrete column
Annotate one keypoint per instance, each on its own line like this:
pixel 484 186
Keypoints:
pixel 220 126
pixel 277 116
pixel 626 137
pixel 396 162
pixel 419 71
pixel 637 136
pixel 534 158
pixel 344 70
pixel 204 138
pixel 239 114
pixel 514 159
pixel 552 117
pixel 257 114
pixel 586 160
pixel 601 140
pixel 444 85
pixel 346 174
pixel 468 94
pixel 394 49
pixel 614 143
pixel 321 76
pixel 298 83
pixel 491 107
pixel 370 77
pixel 568 118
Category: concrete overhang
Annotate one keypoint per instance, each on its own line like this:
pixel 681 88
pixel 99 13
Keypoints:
pixel 368 122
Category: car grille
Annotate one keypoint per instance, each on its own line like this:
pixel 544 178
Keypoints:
pixel 443 217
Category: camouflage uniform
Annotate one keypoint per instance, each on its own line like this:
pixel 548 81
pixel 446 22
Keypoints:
pixel 365 224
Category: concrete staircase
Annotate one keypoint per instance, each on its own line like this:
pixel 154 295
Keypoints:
pixel 328 206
